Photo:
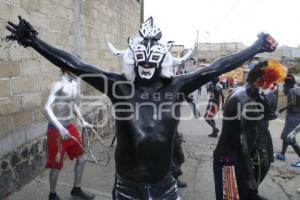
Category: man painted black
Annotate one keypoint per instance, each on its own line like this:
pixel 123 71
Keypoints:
pixel 245 109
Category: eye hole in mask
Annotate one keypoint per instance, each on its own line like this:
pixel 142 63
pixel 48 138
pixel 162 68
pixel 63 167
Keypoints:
pixel 155 57
pixel 139 56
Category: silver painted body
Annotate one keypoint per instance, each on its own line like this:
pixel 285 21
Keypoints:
pixel 60 109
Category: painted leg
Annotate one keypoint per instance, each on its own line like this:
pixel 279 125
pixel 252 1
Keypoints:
pixel 284 147
pixel 194 109
pixel 78 171
pixel 53 176
pixel 296 148
pixel 212 123
pixel 281 156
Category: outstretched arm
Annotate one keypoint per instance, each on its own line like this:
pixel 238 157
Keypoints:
pixel 26 36
pixel 192 81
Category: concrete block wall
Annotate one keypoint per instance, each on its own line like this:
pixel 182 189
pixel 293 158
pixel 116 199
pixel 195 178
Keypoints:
pixel 25 76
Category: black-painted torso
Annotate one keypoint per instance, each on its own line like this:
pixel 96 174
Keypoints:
pixel 144 140
pixel 240 128
pixel 144 143
pixel 229 141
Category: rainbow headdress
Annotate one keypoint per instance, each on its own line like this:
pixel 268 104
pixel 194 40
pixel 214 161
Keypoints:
pixel 273 72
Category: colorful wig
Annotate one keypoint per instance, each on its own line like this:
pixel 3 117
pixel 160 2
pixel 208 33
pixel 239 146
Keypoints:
pixel 273 72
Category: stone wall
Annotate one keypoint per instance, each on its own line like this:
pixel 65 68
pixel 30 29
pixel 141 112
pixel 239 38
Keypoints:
pixel 25 76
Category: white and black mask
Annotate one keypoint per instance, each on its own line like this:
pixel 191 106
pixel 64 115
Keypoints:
pixel 148 57
pixel 149 52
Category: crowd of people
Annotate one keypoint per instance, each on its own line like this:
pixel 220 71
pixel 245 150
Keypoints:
pixel 148 152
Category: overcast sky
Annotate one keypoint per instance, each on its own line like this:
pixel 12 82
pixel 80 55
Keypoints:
pixel 226 20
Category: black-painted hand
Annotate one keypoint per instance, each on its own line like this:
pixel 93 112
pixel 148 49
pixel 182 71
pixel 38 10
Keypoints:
pixel 268 43
pixel 23 33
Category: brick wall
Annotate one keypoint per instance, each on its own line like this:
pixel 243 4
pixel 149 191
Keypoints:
pixel 25 76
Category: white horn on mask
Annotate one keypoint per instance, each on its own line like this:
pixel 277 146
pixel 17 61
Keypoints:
pixel 168 60
pixel 167 69
pixel 179 61
pixel 126 53
pixel 115 51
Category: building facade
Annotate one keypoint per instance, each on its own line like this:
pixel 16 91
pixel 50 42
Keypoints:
pixel 208 52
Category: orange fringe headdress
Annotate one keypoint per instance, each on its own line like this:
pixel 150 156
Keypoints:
pixel 274 72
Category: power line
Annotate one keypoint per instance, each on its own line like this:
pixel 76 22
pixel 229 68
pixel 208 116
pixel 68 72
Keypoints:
pixel 225 16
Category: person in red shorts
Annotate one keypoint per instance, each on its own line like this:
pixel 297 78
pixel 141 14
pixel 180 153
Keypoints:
pixel 62 135
pixel 213 105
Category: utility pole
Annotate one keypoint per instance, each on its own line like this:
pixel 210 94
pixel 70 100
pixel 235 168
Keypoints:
pixel 142 11
pixel 197 64
pixel 77 28
pixel 291 52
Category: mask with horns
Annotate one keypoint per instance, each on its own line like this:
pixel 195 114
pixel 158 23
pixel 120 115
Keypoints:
pixel 148 56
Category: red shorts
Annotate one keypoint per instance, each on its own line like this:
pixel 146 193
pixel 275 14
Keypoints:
pixel 56 148
pixel 211 110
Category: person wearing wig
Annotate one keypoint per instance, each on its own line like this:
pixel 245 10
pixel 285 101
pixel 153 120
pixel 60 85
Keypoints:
pixel 292 119
pixel 145 124
pixel 234 173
